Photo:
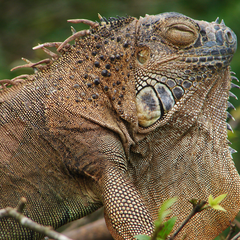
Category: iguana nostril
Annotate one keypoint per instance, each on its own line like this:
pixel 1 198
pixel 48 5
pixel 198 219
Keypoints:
pixel 229 36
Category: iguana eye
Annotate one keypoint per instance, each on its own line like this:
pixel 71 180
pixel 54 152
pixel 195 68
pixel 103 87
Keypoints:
pixel 180 34
pixel 143 55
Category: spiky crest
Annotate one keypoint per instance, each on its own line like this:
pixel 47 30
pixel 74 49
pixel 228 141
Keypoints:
pixel 63 46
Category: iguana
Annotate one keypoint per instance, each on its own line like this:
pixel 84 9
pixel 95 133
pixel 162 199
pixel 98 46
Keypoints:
pixel 131 114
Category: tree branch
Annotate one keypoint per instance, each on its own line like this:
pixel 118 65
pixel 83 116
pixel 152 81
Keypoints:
pixel 16 213
pixel 197 207
pixel 236 222
pixel 236 237
pixel 96 230
pixel 232 230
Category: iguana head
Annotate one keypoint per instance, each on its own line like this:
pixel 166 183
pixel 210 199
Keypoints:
pixel 166 76
pixel 175 55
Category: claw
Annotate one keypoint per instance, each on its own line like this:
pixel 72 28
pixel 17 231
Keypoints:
pixel 74 36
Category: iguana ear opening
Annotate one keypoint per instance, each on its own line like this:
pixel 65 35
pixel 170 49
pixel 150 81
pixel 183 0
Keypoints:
pixel 148 107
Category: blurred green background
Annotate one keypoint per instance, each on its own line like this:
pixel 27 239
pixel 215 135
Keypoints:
pixel 25 23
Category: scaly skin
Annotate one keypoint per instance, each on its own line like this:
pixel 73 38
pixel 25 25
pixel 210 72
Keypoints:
pixel 130 115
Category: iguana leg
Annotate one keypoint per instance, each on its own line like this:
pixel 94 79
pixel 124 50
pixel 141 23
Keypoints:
pixel 125 212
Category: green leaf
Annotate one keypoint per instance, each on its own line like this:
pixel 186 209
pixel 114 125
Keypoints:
pixel 220 198
pixel 142 237
pixel 168 203
pixel 218 207
pixel 164 211
pixel 210 200
pixel 216 200
pixel 167 229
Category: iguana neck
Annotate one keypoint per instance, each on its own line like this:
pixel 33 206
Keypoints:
pixel 194 142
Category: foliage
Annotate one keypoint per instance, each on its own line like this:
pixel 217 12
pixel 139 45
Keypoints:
pixel 214 203
pixel 162 229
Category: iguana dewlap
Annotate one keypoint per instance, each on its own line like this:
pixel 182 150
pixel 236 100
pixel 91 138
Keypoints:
pixel 132 114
